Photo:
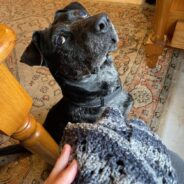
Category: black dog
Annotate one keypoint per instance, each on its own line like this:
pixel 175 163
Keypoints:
pixel 76 50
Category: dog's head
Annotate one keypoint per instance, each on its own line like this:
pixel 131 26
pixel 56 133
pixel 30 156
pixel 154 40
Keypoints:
pixel 74 45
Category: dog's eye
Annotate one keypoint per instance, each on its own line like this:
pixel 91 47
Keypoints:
pixel 60 40
pixel 63 39
pixel 83 14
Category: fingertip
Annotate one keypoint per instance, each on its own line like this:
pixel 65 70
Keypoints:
pixel 62 160
pixel 65 151
pixel 70 172
pixel 73 166
pixel 66 147
pixel 74 163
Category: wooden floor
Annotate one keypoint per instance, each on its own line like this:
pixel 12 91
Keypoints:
pixel 126 1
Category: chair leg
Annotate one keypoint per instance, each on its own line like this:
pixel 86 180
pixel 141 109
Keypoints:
pixel 153 49
pixel 15 105
pixel 157 41
pixel 36 139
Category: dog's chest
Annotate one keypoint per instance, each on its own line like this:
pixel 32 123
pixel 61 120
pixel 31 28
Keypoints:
pixel 107 74
pixel 106 78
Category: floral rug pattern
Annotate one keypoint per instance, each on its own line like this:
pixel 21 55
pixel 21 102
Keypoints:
pixel 149 87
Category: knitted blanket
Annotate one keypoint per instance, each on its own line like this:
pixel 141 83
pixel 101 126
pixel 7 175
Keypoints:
pixel 117 151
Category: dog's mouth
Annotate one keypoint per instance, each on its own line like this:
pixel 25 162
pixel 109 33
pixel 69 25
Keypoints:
pixel 114 40
pixel 113 47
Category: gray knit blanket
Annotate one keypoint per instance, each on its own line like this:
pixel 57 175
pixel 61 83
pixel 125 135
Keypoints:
pixel 117 151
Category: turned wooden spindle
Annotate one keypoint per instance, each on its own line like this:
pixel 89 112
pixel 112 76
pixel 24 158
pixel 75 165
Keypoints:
pixel 15 104
pixel 157 41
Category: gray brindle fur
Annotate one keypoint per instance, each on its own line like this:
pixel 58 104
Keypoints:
pixel 75 48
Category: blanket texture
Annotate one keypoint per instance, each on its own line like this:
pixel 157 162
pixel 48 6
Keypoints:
pixel 117 151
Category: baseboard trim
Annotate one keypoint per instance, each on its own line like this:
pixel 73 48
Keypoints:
pixel 126 1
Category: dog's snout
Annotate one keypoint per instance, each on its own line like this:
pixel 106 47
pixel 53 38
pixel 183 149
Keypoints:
pixel 114 40
pixel 102 23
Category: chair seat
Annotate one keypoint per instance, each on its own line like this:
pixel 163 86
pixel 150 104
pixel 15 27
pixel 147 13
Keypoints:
pixel 7 41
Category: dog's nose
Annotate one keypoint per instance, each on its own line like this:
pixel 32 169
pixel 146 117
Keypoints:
pixel 102 23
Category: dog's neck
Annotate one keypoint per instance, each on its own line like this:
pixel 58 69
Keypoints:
pixel 90 88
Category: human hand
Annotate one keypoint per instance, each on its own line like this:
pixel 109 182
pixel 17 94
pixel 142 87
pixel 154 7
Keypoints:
pixel 63 173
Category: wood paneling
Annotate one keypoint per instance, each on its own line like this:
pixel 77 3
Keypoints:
pixel 177 5
pixel 178 37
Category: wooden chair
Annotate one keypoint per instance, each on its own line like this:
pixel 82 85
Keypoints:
pixel 168 29
pixel 15 104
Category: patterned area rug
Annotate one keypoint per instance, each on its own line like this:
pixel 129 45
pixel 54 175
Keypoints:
pixel 149 87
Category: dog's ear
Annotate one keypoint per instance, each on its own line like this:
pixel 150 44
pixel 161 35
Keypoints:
pixel 75 6
pixel 33 54
pixel 74 9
